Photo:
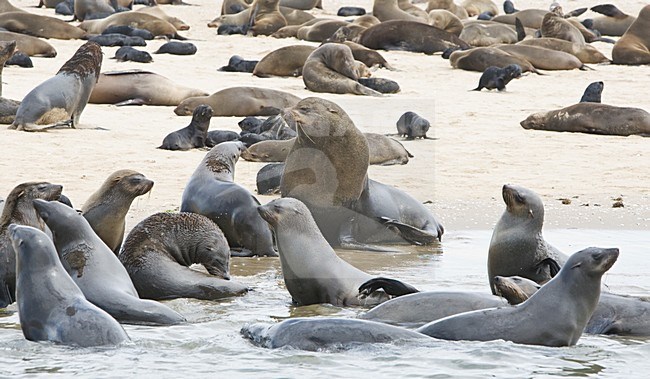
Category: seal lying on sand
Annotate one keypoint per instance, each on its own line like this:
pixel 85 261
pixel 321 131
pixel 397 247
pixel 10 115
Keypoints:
pixel 555 316
pixel 315 334
pixel 517 247
pixel 212 192
pixel 158 251
pixel 240 101
pixel 634 46
pixel 61 99
pixel 593 118
pixel 97 271
pixel 107 207
pixel 39 26
pixel 50 305
pixel 409 36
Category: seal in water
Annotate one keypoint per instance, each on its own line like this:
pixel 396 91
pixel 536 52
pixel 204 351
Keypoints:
pixel 50 305
pixel 107 207
pixel 61 99
pixel 555 316
pixel 517 246
pixel 158 253
pixel 212 192
pixel 192 136
pixel 97 271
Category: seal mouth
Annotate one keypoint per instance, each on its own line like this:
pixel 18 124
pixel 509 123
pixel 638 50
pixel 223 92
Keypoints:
pixel 147 185
pixel 267 214
pixel 609 257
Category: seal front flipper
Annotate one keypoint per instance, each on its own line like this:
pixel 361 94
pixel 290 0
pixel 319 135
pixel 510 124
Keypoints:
pixel 575 12
pixel 410 233
pixel 391 286
pixel 608 10
pixel 553 266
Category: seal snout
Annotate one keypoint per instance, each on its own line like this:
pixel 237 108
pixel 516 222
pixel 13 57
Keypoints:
pixel 42 207
pixel 267 214
pixel 608 257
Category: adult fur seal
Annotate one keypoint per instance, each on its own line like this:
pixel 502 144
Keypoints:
pixel 613 21
pixel 313 273
pixel 107 207
pixel 240 101
pixel 614 314
pixel 39 26
pixel 409 36
pixel 332 68
pixel 137 87
pixel 445 20
pixel 315 334
pixel 542 58
pixel 61 99
pixel 634 46
pixel 8 107
pixel 97 271
pixel 594 118
pixel 157 26
pixel 555 26
pixel 480 58
pixel 92 9
pixel 517 246
pixel 285 61
pixel 32 46
pixel 386 10
pixel 192 136
pixel 158 251
pixel 212 192
pixel 447 5
pixel 265 17
pixel 50 305
pixel 18 209
pixel 586 53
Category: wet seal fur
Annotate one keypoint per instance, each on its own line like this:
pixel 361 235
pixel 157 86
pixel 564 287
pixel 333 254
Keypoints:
pixel 107 207
pixel 61 99
pixel 158 253
pixel 97 271
pixel 212 192
pixel 50 305
pixel 555 316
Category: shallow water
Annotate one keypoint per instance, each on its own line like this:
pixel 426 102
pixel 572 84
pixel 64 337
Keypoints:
pixel 212 346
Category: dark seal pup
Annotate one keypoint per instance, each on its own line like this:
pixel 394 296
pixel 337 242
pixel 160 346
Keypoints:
pixel 177 48
pixel 127 53
pixel 61 99
pixel 411 126
pixel 158 253
pixel 238 64
pixel 497 78
pixel 555 316
pixel 593 93
pixel 194 135
pixel 212 192
pixel 50 305
pixel 97 271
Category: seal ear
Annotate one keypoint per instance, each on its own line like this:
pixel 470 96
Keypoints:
pixel 332 110
pixel 576 265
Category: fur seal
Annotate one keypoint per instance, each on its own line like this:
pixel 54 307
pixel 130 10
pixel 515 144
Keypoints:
pixel 529 18
pixel 420 308
pixel 268 179
pixel 614 314
pixel 238 64
pixel 350 11
pixel 586 53
pixel 157 26
pixel 240 101
pixel 320 31
pixel 543 58
pixel 538 321
pixel 477 7
pixel 409 36
pixel 411 126
pixel 413 10
pixel 92 9
pixel 8 107
pixel 266 17
pixel 386 10
pixel 192 136
pixel 313 273
pixel 593 92
pixel 497 78
pixel 39 26
pixel 97 271
pixel 177 48
pixel 157 11
pixel 445 20
pixel 517 246
pixel 18 209
pixel 107 207
pixel 613 21
pixel 50 305
pixel 129 31
pixel 158 251
pixel 61 99
pixel 633 47
pixel 447 5
pixel 111 40
pixel 554 26
pixel 593 118
pixel 332 68
pixel 487 34
pixel 32 46
pixel 381 85
pixel 285 61
pixel 127 53
pixel 215 137
pixel 316 334
pixel 480 58
pixel 304 5
pixel 20 59
pixel 138 87
pixel 212 192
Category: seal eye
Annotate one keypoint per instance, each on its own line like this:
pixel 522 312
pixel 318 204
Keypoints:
pixel 519 198
pixel 41 187
pixel 135 179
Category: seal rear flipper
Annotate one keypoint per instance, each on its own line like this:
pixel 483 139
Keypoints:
pixel 137 101
pixel 410 233
pixel 553 266
pixel 391 286
pixel 608 10
pixel 575 12
pixel 519 28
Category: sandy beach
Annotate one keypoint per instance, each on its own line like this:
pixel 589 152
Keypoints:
pixel 477 146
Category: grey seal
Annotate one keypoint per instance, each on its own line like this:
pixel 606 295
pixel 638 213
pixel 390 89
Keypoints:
pixel 593 93
pixel 555 316
pixel 194 135
pixel 411 126
pixel 50 305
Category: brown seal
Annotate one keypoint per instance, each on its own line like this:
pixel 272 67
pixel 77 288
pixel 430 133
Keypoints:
pixel 158 12
pixel 593 118
pixel 265 17
pixel 91 9
pixel 447 5
pixel 554 26
pixel 586 53
pixel 39 26
pixel 487 34
pixel 361 53
pixel 304 5
pixel 366 21
pixel 157 26
pixel 543 58
pixel 409 36
pixel 8 107
pixel 285 61
pixel 61 99
pixel 613 22
pixel 137 87
pixel 32 46
pixel 18 209
pixel 634 46
pixel 386 10
pixel 480 58
pixel 240 101
pixel 445 20
pixel 107 207
pixel 476 7
pixel 411 9
pixel 320 31
pixel 530 18
pixel 332 68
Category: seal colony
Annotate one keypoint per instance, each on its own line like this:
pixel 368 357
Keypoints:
pixel 328 198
